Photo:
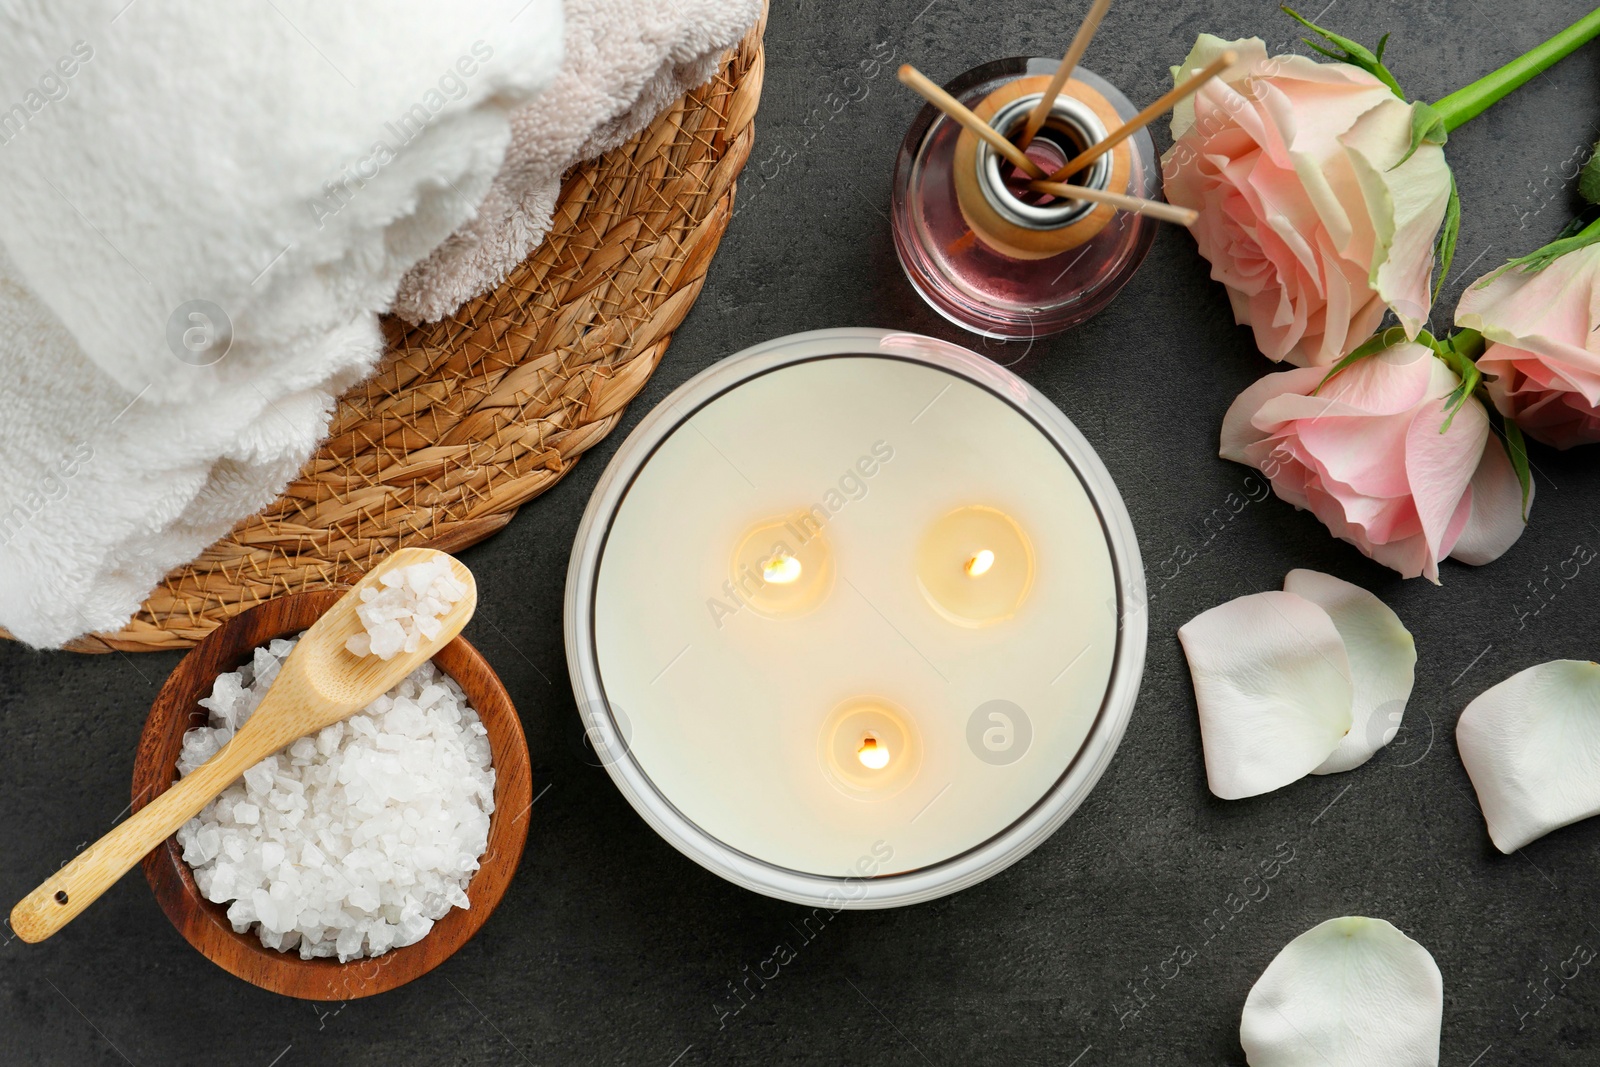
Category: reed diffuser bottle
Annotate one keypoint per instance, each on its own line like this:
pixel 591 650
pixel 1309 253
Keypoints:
pixel 1026 192
pixel 985 250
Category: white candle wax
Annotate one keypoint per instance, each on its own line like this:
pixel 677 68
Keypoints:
pixel 726 705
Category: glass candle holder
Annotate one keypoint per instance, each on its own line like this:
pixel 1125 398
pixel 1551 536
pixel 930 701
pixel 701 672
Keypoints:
pixel 994 257
pixel 942 698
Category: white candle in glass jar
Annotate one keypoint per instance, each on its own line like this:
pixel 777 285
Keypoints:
pixel 850 605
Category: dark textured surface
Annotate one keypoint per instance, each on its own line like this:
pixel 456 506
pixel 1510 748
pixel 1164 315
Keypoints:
pixel 612 948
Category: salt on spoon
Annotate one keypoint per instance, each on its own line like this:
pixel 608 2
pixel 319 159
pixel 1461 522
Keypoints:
pixel 321 683
pixel 402 610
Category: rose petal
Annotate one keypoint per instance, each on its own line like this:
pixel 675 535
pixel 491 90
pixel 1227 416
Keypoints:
pixel 1406 202
pixel 1496 519
pixel 1531 746
pixel 1542 363
pixel 1350 992
pixel 1395 380
pixel 1359 455
pixel 1251 51
pixel 1317 116
pixel 1548 399
pixel 1440 464
pixel 1550 314
pixel 1272 682
pixel 1383 659
pixel 1238 429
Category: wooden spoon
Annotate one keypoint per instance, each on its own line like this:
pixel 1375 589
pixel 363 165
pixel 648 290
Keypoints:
pixel 320 683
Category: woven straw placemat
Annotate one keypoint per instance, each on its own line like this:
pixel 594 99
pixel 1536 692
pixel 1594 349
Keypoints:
pixel 468 419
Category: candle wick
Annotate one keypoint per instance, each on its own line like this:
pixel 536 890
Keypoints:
pixel 781 569
pixel 872 754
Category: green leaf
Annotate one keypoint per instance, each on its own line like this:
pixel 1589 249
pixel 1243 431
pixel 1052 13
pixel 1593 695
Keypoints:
pixel 1460 353
pixel 1517 449
pixel 1427 127
pixel 1352 52
pixel 1589 177
pixel 1315 47
pixel 1378 342
pixel 1540 258
pixel 1444 248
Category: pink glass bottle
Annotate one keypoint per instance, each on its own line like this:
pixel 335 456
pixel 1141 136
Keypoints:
pixel 988 254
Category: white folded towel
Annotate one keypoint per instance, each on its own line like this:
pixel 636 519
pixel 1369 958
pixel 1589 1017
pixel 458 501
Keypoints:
pixel 202 209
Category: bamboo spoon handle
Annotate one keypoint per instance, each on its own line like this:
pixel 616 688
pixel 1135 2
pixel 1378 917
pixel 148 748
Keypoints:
pixel 1069 62
pixel 1163 104
pixel 1156 209
pixel 97 868
pixel 913 78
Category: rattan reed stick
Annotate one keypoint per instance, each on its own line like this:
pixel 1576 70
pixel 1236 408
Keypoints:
pixel 1069 63
pixel 913 78
pixel 1156 209
pixel 1160 107
pixel 958 111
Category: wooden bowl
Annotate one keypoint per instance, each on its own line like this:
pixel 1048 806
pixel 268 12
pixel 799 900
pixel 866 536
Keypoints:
pixel 206 924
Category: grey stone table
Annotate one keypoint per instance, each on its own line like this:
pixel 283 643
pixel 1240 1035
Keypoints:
pixel 612 948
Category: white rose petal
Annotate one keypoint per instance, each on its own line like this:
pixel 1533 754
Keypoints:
pixel 1272 681
pixel 1531 746
pixel 1351 992
pixel 1383 660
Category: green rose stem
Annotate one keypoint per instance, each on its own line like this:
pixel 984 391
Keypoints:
pixel 1471 101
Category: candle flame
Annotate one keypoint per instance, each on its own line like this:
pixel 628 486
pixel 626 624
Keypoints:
pixel 979 564
pixel 781 569
pixel 873 755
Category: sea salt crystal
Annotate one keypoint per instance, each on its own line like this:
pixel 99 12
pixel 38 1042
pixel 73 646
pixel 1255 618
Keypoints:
pixel 413 926
pixel 403 610
pixel 356 840
pixel 258 779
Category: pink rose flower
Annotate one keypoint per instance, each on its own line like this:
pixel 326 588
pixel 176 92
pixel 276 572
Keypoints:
pixel 1303 214
pixel 1364 453
pixel 1543 346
